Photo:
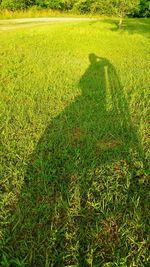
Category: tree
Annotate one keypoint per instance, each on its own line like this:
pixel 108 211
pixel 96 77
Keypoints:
pixel 125 7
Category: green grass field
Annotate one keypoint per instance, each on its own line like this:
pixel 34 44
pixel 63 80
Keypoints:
pixel 74 107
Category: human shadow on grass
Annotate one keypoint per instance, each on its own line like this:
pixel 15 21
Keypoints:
pixel 56 222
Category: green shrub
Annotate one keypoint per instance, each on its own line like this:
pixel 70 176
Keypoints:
pixel 106 7
pixel 17 4
pixel 144 8
pixel 55 4
pixel 83 6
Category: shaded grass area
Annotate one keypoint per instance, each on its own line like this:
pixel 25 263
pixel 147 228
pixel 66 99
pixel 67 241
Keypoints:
pixel 74 146
pixel 132 26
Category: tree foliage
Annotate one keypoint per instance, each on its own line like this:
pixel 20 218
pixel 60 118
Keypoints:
pixel 144 9
pixel 107 7
pixel 17 4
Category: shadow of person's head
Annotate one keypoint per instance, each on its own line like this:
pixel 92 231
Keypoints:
pixel 94 59
pixel 93 81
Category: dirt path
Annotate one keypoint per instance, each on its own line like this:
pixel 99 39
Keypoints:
pixel 43 20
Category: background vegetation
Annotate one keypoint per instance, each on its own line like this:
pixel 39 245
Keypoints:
pixel 140 8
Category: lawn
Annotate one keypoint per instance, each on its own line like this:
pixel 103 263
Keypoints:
pixel 74 144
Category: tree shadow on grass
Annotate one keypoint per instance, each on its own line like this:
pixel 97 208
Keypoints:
pixel 77 185
pixel 139 26
pixel 131 25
